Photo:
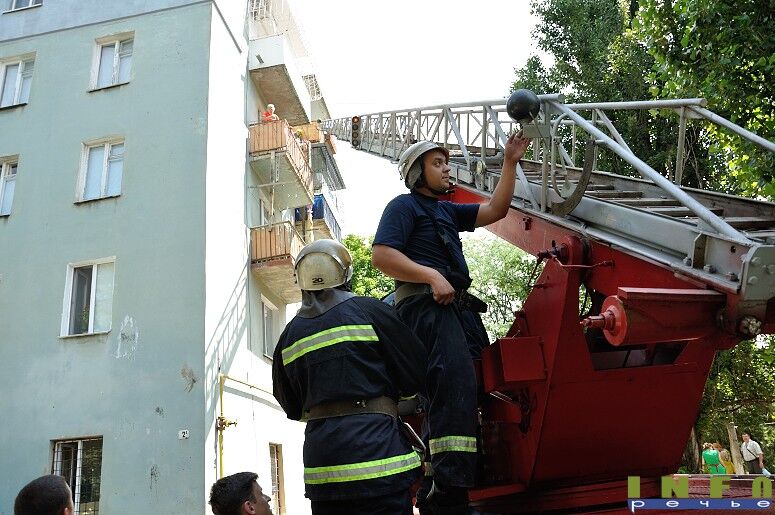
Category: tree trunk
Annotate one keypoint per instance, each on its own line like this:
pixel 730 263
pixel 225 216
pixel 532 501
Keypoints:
pixel 734 449
pixel 692 454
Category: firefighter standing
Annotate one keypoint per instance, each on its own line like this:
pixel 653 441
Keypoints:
pixel 341 364
pixel 417 243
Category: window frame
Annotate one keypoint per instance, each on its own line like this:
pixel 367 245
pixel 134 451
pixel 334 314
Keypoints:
pixel 75 483
pixel 22 61
pixel 5 164
pixel 268 305
pixel 116 40
pixel 64 329
pixel 30 5
pixel 277 478
pixel 107 144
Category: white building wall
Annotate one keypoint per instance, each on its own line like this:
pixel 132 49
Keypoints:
pixel 234 317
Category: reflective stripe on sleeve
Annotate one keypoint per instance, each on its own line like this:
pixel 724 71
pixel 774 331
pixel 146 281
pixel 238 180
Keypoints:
pixel 327 338
pixel 452 443
pixel 363 470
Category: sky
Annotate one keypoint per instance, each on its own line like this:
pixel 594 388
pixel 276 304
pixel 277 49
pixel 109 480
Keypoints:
pixel 373 56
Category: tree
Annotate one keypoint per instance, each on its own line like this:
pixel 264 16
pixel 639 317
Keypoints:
pixel 367 280
pixel 597 57
pixel 500 274
pixel 722 50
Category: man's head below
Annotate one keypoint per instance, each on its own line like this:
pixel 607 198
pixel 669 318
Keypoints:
pixel 239 494
pixel 47 495
pixel 746 437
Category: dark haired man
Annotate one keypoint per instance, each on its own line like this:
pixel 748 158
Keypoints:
pixel 752 454
pixel 418 244
pixel 46 495
pixel 239 494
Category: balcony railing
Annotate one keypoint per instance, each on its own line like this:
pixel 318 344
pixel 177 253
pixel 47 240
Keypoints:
pixel 272 141
pixel 309 131
pixel 324 222
pixel 275 242
pixel 273 251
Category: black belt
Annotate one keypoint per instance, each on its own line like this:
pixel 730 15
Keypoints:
pixel 409 289
pixel 384 405
pixel 463 300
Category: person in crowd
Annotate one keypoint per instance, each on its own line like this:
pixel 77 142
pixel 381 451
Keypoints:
pixel 46 495
pixel 752 455
pixel 725 457
pixel 239 494
pixel 711 460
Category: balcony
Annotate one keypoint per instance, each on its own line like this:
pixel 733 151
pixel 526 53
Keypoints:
pixel 309 131
pixel 273 251
pixel 281 162
pixel 324 165
pixel 324 223
pixel 273 70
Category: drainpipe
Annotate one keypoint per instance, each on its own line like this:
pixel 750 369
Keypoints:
pixel 222 422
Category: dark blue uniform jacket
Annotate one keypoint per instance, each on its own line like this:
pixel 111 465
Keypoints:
pixel 356 350
pixel 406 227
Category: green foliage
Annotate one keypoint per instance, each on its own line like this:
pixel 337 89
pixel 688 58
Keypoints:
pixel 367 280
pixel 500 274
pixel 722 50
pixel 741 388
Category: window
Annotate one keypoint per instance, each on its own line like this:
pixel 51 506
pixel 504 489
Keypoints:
pixel 270 313
pixel 7 186
pixel 21 4
pixel 80 463
pixel 88 298
pixel 114 62
pixel 16 77
pixel 276 470
pixel 102 168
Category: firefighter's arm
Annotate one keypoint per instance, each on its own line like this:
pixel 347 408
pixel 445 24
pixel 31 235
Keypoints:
pixel 395 264
pixel 282 388
pixel 403 352
pixel 499 203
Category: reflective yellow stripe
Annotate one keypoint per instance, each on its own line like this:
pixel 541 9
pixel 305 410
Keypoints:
pixel 362 470
pixel 453 443
pixel 327 338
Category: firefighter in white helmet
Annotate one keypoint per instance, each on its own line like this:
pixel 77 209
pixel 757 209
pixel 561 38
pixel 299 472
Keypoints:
pixel 417 243
pixel 341 365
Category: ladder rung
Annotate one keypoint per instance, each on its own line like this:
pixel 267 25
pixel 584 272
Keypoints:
pixel 612 195
pixel 750 222
pixel 646 202
pixel 681 211
pixel 761 234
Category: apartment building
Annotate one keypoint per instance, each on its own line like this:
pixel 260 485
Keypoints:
pixel 148 228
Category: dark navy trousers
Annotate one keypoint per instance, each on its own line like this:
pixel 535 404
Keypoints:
pixel 451 389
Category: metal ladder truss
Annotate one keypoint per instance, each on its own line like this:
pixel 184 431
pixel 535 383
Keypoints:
pixel 724 241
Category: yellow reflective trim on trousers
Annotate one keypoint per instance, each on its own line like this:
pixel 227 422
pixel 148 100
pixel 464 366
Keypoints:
pixel 452 443
pixel 363 470
pixel 328 337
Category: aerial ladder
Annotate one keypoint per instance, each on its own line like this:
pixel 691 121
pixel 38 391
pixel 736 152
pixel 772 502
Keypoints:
pixel 578 399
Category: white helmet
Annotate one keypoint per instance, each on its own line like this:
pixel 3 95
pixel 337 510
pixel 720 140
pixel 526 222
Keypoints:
pixel 409 162
pixel 323 264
